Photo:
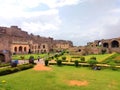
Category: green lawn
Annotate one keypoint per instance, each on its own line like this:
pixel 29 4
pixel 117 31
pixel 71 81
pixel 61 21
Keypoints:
pixel 59 77
pixel 99 57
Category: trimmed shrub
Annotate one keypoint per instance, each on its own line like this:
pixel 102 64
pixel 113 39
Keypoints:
pixel 5 71
pixel 46 62
pixel 24 67
pixel 82 59
pixel 93 58
pixel 16 69
pixel 92 62
pixel 64 58
pixel 9 70
pixel 112 65
pixel 31 59
pixel 59 62
pixel 75 57
pixel 4 64
pixel 76 63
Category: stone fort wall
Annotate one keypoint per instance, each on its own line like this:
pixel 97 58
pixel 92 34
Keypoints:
pixel 100 46
pixel 18 42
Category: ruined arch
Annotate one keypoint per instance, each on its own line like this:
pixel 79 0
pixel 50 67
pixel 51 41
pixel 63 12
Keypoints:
pixel 45 51
pixel 99 43
pixel 20 49
pixel 79 50
pixel 106 45
pixel 38 47
pixel 114 44
pixel 2 58
pixel 43 46
pixel 25 49
pixel 15 49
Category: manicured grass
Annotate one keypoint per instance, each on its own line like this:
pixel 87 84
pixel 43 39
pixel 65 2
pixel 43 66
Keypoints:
pixel 59 77
pixel 99 57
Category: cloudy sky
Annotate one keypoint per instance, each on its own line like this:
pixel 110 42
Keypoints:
pixel 80 21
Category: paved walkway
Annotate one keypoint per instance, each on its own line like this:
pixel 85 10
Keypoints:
pixel 41 61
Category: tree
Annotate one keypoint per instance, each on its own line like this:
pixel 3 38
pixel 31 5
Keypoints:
pixel 59 62
pixel 76 63
pixel 31 59
pixel 112 65
pixel 92 61
pixel 46 62
pixel 63 58
pixel 82 59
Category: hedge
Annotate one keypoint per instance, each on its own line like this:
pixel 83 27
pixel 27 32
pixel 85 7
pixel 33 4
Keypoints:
pixel 9 70
pixel 4 64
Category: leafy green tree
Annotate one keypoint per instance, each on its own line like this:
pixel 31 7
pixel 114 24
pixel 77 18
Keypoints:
pixel 112 65
pixel 64 58
pixel 59 62
pixel 92 62
pixel 82 59
pixel 76 63
pixel 46 62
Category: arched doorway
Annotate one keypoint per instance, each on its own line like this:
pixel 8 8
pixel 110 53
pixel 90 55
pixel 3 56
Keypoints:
pixel 2 58
pixel 43 46
pixel 115 44
pixel 15 49
pixel 25 49
pixel 105 45
pixel 20 49
pixel 45 51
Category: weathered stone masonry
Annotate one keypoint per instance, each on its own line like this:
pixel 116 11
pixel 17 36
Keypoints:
pixel 15 41
pixel 100 46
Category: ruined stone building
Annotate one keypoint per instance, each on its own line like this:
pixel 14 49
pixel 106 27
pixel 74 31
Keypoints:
pixel 100 47
pixel 15 41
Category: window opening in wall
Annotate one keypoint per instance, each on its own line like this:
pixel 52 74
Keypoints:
pixel 115 44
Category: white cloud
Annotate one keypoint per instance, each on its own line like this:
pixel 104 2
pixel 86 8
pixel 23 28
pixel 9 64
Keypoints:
pixel 42 21
pixel 115 10
pixel 59 3
pixel 110 20
pixel 15 12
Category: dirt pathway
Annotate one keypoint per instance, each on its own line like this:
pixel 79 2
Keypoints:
pixel 42 67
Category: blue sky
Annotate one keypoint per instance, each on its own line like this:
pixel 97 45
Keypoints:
pixel 80 21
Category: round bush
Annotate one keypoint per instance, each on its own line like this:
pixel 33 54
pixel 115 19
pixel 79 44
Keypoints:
pixel 31 59
pixel 76 63
pixel 46 62
pixel 59 62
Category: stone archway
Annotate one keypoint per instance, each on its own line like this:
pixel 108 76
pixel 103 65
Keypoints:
pixel 2 58
pixel 45 51
pixel 44 46
pixel 15 49
pixel 25 49
pixel 20 49
pixel 106 45
pixel 115 44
